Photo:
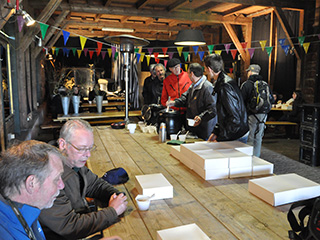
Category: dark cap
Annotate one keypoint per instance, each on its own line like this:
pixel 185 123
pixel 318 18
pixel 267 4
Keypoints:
pixel 173 62
pixel 254 68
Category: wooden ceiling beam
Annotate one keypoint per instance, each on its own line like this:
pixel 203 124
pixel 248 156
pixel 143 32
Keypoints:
pixel 141 3
pixel 206 18
pixel 8 13
pixel 261 13
pixel 205 7
pixel 176 5
pixel 107 3
pixel 236 10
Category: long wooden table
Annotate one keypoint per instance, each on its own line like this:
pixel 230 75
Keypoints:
pixel 223 209
pixel 108 104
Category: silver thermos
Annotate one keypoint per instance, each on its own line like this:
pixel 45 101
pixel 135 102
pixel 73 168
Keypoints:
pixel 162 132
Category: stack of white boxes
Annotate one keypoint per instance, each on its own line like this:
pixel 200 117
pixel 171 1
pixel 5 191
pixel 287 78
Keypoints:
pixel 217 160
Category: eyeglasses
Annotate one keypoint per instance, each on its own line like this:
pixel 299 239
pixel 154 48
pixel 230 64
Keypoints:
pixel 83 150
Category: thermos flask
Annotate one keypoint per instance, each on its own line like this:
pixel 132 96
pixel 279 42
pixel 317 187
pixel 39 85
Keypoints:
pixel 162 132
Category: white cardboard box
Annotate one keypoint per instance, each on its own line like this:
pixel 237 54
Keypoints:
pixel 211 174
pixel 175 152
pixel 210 159
pixel 283 189
pixel 185 232
pixel 237 159
pixel 154 184
pixel 240 172
pixel 261 167
pixel 241 147
pixel 213 145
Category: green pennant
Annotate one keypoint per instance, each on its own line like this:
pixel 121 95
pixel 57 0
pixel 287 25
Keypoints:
pixel 185 54
pixel 210 47
pixel 136 50
pixel 269 50
pixel 57 51
pixel 301 40
pixel 74 50
pixel 43 28
pixel 115 55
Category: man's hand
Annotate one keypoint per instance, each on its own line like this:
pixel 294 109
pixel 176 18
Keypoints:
pixel 169 103
pixel 118 202
pixel 212 138
pixel 197 120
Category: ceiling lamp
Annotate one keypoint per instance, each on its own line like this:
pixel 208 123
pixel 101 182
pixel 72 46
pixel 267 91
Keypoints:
pixel 110 29
pixel 27 18
pixel 190 37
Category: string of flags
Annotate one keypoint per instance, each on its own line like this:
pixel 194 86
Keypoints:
pixel 112 51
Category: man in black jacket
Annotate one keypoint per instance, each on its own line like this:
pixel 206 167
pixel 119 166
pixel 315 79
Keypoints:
pixel 232 115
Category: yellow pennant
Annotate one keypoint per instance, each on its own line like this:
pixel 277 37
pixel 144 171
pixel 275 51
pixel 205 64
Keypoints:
pixel 82 41
pixel 263 44
pixel 142 57
pixel 218 52
pixel 148 59
pixel 109 52
pixel 53 49
pixel 180 50
pixel 79 53
pixel 186 66
pixel 306 47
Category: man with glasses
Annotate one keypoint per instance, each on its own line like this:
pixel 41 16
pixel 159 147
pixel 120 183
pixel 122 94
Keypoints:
pixel 70 217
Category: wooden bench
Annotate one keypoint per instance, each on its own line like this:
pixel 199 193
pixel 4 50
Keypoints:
pixel 282 123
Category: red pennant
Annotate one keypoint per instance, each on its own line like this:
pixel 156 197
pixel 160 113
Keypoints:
pixel 244 45
pixel 233 53
pixel 230 70
pixel 164 50
pixel 91 53
pixel 156 54
pixel 157 60
pixel 99 44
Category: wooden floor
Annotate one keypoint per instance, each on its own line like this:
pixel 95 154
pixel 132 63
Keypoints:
pixel 223 209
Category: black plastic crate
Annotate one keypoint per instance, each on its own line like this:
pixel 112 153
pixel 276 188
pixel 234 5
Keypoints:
pixel 309 136
pixel 309 155
pixel 311 115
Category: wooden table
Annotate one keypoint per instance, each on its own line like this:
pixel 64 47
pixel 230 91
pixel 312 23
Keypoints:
pixel 223 209
pixel 281 109
pixel 108 104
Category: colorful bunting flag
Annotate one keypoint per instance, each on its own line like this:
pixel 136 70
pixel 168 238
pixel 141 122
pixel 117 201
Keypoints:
pixel 79 53
pixel 185 54
pixel 165 62
pixel 227 47
pixel 136 50
pixel 103 54
pixel 85 50
pixel 286 49
pixel 57 51
pixel 244 45
pixel 44 28
pixel 263 44
pixel 233 53
pixel 195 49
pixel 251 52
pixel 148 59
pixel 113 48
pixel 109 52
pixel 53 50
pixel 210 48
pixel 20 20
pixel 65 36
pixel 164 50
pixel 116 55
pixel 138 57
pixel 150 50
pixel 99 45
pixel 91 53
pixel 74 51
pixel 281 41
pixel 186 67
pixel 156 54
pixel 83 41
pixel 306 46
pixel 201 54
pixel 157 60
pixel 269 50
pixel 142 56
pixel 180 50
pixel 301 40
pixel 170 54
pixel 218 52
pixel 231 70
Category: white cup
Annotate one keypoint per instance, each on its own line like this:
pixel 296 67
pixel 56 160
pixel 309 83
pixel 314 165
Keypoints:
pixel 191 122
pixel 143 202
pixel 173 136
pixel 132 127
pixel 182 137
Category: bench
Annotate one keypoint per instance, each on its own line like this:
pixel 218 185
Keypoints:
pixel 282 123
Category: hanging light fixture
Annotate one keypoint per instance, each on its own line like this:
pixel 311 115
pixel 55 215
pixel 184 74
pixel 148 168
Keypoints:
pixel 27 18
pixel 190 37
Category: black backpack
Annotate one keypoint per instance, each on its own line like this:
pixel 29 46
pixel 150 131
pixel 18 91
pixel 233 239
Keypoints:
pixel 260 98
pixel 310 231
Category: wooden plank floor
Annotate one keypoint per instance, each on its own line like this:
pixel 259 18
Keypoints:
pixel 223 209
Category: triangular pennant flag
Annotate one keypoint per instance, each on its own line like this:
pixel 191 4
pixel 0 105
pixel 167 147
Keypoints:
pixel 65 36
pixel 79 53
pixel 230 70
pixel 103 54
pixel 170 54
pixel 85 50
pixel 99 45
pixel 233 53
pixel 156 54
pixel 67 51
pixel 269 50
pixel 20 20
pixel 148 59
pixel 53 50
pixel 64 50
pixel 263 44
pixel 251 52
pixel 136 50
pixel 109 52
pixel 195 49
pixel 244 45
pixel 116 55
pixel 301 40
pixel 180 50
pixel 150 50
pixel 157 60
pixel 218 52
pixel 83 41
pixel 91 53
pixel 44 28
pixel 138 57
pixel 286 49
pixel 74 51
pixel 142 56
pixel 57 51
pixel 186 67
pixel 306 46
pixel 210 47
pixel 201 54
pixel 164 50
pixel 281 41
pixel 113 48
pixel 165 62
pixel 185 54
pixel 227 47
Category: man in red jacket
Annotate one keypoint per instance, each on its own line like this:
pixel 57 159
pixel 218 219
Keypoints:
pixel 175 84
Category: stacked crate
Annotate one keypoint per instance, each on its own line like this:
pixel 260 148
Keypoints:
pixel 309 135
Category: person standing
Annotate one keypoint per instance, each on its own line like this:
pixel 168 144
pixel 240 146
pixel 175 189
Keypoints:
pixel 70 217
pixel 30 180
pixel 147 86
pixel 199 101
pixel 257 118
pixel 232 116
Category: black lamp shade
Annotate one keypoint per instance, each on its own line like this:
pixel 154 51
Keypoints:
pixel 190 37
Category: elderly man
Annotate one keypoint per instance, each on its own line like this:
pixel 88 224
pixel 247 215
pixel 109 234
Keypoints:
pixel 70 216
pixel 232 115
pixel 30 180
pixel 175 84
pixel 147 86
pixel 199 101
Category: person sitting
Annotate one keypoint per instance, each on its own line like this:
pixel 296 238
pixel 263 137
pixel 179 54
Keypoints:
pixel 147 86
pixel 97 92
pixel 70 216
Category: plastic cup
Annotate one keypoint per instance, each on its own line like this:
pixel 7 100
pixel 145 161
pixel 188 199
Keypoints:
pixel 182 137
pixel 173 136
pixel 132 127
pixel 143 202
pixel 191 122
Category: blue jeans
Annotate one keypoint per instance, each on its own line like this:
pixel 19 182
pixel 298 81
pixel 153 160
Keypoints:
pixel 244 138
pixel 256 131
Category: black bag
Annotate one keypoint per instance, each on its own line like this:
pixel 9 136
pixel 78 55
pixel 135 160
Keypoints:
pixel 116 176
pixel 260 98
pixel 310 231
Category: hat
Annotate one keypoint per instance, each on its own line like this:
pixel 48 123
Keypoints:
pixel 254 68
pixel 116 176
pixel 173 62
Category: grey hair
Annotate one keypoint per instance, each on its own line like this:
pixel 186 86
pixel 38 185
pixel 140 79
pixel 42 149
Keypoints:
pixel 160 65
pixel 22 160
pixel 70 126
pixel 152 67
